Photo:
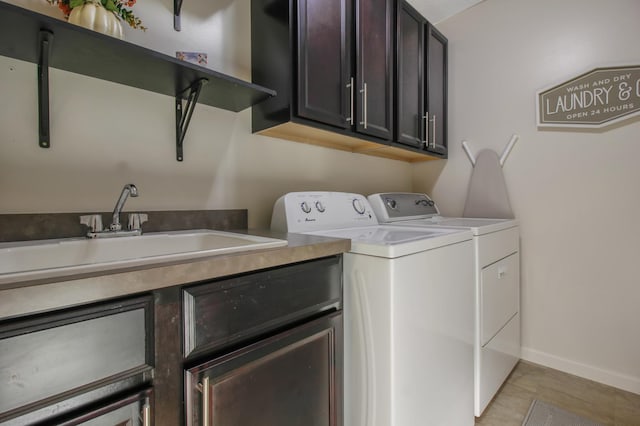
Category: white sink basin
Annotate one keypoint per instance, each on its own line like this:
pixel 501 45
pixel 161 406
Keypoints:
pixel 52 258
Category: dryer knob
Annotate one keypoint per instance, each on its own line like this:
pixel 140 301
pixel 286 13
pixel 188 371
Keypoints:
pixel 425 203
pixel 320 207
pixel 358 206
pixel 305 207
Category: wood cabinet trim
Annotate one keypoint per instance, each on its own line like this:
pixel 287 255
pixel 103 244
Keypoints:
pixel 319 137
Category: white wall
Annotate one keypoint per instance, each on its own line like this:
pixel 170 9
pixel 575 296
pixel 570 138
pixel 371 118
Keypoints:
pixel 105 135
pixel 576 194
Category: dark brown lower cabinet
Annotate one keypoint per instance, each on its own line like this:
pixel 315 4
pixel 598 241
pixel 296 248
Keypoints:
pixel 261 348
pixel 289 379
pixel 58 363
pixel 265 348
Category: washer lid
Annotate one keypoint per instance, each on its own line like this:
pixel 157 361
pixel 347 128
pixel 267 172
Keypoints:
pixel 394 241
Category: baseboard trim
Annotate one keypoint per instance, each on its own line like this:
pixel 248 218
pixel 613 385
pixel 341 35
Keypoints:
pixel 607 377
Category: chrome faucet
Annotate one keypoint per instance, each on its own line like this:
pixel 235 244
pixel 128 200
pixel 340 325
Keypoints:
pixel 94 221
pixel 129 189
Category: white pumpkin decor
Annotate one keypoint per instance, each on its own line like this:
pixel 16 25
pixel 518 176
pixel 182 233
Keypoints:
pixel 94 16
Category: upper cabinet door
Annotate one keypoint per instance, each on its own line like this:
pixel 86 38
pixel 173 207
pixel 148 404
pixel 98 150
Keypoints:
pixel 436 91
pixel 374 77
pixel 410 112
pixel 323 61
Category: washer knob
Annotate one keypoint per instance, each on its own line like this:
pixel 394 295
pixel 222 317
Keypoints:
pixel 305 207
pixel 358 206
pixel 391 203
pixel 320 207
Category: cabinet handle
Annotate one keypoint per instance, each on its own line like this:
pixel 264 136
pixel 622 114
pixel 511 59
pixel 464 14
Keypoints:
pixel 206 409
pixel 350 87
pixel 364 104
pixel 433 130
pixel 146 415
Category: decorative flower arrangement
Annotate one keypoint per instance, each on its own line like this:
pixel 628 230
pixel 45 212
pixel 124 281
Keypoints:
pixel 118 7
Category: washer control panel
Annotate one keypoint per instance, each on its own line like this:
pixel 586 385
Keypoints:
pixel 314 211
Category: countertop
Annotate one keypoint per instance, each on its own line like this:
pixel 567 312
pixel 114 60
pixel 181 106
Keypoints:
pixel 44 295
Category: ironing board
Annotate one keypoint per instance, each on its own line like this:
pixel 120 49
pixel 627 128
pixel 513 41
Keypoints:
pixel 487 196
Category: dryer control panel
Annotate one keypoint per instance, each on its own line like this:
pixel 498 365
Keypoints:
pixel 396 206
pixel 311 211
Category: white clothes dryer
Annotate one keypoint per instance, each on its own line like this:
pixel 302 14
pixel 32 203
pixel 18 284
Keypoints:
pixel 408 312
pixel 497 283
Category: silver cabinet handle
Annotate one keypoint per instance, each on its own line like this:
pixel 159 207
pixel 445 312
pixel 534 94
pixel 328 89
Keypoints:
pixel 350 87
pixel 206 409
pixel 433 130
pixel 146 414
pixel 364 104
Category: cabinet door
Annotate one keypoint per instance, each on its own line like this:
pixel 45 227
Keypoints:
pixel 436 91
pixel 374 57
pixel 135 410
pixel 291 379
pixel 410 120
pixel 323 61
pixel 55 363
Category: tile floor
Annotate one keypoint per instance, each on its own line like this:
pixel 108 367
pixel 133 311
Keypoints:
pixel 601 403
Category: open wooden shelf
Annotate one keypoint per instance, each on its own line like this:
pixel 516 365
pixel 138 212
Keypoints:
pixel 86 52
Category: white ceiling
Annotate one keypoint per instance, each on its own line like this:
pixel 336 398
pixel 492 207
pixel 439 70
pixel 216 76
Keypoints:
pixel 439 10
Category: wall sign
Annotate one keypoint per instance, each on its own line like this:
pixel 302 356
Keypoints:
pixel 595 99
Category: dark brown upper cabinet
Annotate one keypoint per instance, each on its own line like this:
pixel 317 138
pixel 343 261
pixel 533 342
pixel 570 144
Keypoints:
pixel 366 76
pixel 374 68
pixel 421 91
pixel 411 88
pixel 331 63
pixel 324 62
pixel 436 91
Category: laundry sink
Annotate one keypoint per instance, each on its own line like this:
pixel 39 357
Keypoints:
pixel 53 258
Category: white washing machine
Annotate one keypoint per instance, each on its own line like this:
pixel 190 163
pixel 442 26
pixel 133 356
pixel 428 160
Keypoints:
pixel 408 312
pixel 497 288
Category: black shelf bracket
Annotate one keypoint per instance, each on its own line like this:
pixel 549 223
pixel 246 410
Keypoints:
pixel 184 113
pixel 177 8
pixel 45 40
